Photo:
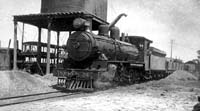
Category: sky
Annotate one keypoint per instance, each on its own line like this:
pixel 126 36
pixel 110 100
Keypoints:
pixel 158 20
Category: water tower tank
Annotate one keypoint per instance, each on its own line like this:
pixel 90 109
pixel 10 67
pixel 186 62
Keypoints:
pixel 95 7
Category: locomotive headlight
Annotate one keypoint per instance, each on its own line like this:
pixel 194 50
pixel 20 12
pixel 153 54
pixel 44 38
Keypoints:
pixel 76 45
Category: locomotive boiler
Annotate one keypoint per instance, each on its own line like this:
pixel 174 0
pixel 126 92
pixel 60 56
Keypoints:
pixel 85 47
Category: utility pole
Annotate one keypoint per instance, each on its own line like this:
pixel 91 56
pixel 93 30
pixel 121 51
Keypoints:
pixel 172 42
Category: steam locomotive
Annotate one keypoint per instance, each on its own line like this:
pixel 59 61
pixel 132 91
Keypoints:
pixel 89 55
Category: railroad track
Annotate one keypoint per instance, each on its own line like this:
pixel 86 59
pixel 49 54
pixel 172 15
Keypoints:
pixel 7 101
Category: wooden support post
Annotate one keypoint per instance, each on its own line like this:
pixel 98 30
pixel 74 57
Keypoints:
pixel 15 46
pixel 48 46
pixel 39 49
pixel 58 38
pixel 8 54
pixel 22 36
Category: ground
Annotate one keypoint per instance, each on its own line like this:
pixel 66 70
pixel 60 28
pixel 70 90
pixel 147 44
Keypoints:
pixel 177 92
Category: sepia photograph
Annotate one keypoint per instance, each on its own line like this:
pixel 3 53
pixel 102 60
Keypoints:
pixel 100 55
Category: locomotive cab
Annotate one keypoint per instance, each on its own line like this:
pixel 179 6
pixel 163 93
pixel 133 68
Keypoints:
pixel 153 59
pixel 143 45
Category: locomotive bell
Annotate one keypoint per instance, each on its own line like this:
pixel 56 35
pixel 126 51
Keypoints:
pixel 114 33
pixel 103 30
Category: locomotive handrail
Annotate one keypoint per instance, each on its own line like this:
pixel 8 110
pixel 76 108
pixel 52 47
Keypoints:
pixel 116 20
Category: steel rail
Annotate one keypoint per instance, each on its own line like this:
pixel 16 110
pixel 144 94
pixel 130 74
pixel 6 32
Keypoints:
pixel 27 100
pixel 28 95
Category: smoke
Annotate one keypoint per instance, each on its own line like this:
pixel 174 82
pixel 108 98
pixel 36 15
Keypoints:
pixel 161 21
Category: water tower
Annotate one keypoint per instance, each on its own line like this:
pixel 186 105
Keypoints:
pixel 95 7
